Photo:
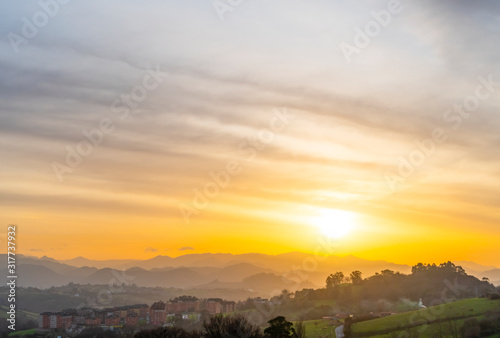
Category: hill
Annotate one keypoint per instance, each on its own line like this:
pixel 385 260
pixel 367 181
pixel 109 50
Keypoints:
pixel 445 317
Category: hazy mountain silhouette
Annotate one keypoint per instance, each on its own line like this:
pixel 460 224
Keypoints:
pixel 472 266
pixel 208 270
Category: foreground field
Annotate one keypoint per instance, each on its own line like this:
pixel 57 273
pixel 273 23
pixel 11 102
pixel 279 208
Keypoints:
pixel 441 320
pixel 22 333
pixel 319 328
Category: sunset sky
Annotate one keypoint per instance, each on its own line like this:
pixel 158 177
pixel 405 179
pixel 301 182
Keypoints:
pixel 390 139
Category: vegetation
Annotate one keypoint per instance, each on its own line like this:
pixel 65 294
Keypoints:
pixel 229 326
pixel 279 327
pixel 22 333
pixel 300 329
pixel 438 321
pixel 170 332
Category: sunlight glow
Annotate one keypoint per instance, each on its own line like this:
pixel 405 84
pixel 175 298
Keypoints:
pixel 335 223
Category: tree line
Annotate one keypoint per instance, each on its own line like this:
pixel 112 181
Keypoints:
pixel 235 326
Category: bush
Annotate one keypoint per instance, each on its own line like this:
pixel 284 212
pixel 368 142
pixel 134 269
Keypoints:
pixel 494 296
pixel 166 332
pixel 230 326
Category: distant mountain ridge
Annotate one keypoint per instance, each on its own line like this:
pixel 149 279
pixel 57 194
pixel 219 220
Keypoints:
pixel 279 263
pixel 468 265
pixel 244 271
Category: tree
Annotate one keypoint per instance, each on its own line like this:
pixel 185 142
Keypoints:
pixel 230 326
pixel 387 272
pixel 279 327
pixel 334 280
pixel 166 332
pixel 418 268
pixel 356 277
pixel 285 295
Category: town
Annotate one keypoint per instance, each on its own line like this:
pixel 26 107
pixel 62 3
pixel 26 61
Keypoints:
pixel 134 316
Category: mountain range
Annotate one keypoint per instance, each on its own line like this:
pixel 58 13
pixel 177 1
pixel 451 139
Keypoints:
pixel 259 272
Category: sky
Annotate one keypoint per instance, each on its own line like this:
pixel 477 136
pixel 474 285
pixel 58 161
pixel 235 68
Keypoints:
pixel 134 129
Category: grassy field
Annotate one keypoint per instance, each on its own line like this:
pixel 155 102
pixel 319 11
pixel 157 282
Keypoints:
pixel 426 321
pixel 22 333
pixel 319 328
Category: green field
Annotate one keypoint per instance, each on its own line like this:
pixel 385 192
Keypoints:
pixel 22 333
pixel 427 321
pixel 319 328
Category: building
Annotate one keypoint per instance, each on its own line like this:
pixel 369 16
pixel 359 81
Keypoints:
pixel 112 320
pixel 132 320
pixel 128 315
pixel 214 306
pixel 44 320
pixel 55 321
pixel 93 321
pixel 66 321
pixel 158 313
pixel 228 306
pixel 79 319
pixel 121 313
pixel 141 310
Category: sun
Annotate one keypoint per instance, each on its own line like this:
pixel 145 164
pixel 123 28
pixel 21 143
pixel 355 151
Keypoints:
pixel 335 223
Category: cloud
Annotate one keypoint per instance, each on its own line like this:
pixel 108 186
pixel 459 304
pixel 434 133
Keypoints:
pixel 186 248
pixel 225 79
pixel 37 250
